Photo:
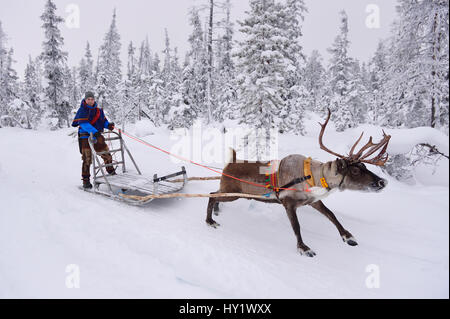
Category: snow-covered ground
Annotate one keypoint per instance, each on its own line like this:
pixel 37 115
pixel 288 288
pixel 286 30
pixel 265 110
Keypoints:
pixel 165 250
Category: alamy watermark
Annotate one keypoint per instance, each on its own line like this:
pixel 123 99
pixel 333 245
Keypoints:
pixel 373 280
pixel 73 276
pixel 373 20
pixel 73 18
pixel 212 145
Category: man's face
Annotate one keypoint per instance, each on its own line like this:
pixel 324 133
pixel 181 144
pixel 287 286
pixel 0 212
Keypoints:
pixel 90 101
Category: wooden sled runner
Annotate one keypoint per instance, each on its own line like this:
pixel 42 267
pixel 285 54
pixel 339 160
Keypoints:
pixel 127 186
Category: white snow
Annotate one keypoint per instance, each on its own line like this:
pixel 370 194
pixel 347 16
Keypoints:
pixel 165 250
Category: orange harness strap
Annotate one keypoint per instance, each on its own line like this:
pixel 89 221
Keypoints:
pixel 308 172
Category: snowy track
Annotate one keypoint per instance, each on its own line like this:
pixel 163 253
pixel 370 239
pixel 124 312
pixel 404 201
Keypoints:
pixel 165 250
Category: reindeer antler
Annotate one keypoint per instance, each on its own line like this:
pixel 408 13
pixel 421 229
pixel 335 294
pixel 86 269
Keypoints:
pixel 323 147
pixel 370 147
pixel 382 157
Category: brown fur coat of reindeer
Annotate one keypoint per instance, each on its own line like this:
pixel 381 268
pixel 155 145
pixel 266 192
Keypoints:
pixel 345 173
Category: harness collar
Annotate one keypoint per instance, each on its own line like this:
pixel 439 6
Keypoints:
pixel 308 172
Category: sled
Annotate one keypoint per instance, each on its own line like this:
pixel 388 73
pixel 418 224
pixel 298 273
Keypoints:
pixel 127 186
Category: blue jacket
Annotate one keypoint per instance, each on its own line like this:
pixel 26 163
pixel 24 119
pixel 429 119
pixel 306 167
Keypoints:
pixel 90 119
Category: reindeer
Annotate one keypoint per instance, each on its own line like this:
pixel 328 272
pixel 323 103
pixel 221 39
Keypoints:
pixel 344 173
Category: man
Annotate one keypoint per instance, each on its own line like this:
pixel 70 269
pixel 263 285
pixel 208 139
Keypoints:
pixel 91 119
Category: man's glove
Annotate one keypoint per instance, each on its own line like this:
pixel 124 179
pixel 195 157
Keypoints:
pixel 111 126
pixel 95 137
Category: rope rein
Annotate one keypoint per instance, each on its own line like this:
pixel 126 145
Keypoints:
pixel 198 164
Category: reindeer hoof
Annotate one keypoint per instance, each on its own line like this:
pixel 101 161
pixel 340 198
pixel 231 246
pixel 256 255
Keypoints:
pixel 350 240
pixel 306 252
pixel 212 223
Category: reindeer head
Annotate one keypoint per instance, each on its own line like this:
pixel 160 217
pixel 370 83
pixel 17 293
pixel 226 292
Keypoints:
pixel 352 168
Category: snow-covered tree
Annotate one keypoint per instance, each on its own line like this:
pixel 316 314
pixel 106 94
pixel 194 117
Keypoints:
pixel 194 85
pixel 314 82
pixel 86 71
pixel 262 66
pixel 72 88
pixel 32 91
pixel 130 103
pixel 171 80
pixel 144 82
pixel 9 87
pixel 4 99
pixel 377 77
pixel 340 89
pixel 290 17
pixel 156 63
pixel 358 92
pixel 172 89
pixel 109 72
pixel 54 59
pixel 416 86
pixel 224 75
pixel 10 91
pixel 13 110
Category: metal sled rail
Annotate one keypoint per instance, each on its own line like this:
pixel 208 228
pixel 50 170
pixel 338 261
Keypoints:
pixel 128 186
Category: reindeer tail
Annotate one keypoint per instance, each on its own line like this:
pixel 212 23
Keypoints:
pixel 232 156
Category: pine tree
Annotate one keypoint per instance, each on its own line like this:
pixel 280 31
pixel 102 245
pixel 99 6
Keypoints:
pixel 210 107
pixel 5 89
pixel 194 86
pixel 173 91
pixel 436 59
pixel 378 76
pixel 358 95
pixel 341 90
pixel 290 17
pixel 314 82
pixel 32 91
pixel 86 71
pixel 224 75
pixel 3 60
pixel 10 88
pixel 16 111
pixel 54 60
pixel 416 89
pixel 262 67
pixel 156 63
pixel 169 84
pixel 73 90
pixel 144 83
pixel 130 110
pixel 184 115
pixel 109 72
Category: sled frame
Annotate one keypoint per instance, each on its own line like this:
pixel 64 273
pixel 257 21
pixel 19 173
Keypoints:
pixel 126 182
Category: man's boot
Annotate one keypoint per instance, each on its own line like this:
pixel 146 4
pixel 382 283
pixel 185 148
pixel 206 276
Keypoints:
pixel 86 183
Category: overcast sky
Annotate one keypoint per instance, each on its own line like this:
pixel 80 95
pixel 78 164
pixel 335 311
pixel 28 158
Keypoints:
pixel 138 18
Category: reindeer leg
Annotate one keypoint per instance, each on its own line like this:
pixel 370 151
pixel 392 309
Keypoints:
pixel 213 204
pixel 209 220
pixel 291 210
pixel 216 209
pixel 346 235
